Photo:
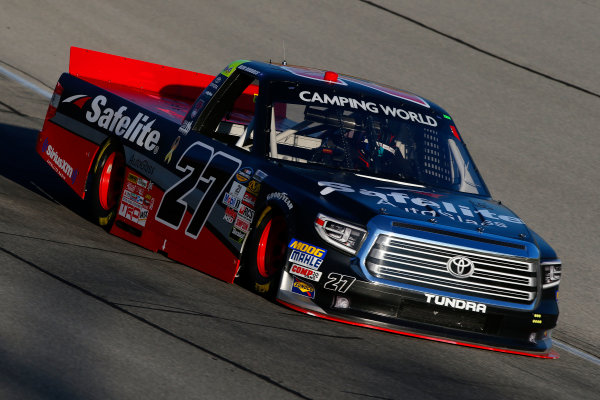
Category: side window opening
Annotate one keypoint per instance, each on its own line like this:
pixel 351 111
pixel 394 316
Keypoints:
pixel 230 118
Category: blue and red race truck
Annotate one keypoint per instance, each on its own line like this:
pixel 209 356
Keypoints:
pixel 339 197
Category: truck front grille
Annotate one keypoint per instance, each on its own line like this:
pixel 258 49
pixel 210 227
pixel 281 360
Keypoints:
pixel 488 276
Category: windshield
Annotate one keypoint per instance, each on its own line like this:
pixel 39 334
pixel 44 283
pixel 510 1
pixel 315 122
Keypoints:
pixel 383 141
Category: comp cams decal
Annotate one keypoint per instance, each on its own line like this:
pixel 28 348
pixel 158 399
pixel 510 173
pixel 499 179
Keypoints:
pixel 305 272
pixel 306 255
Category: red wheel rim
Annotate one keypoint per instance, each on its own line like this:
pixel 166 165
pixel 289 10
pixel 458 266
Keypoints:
pixel 270 255
pixel 109 187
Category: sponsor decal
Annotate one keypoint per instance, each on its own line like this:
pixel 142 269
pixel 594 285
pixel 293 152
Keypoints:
pixel 395 197
pixel 231 201
pixel 242 223
pixel 246 212
pixel 455 303
pixel 237 190
pixel 133 207
pixel 305 272
pixel 173 148
pixel 341 101
pixel 185 128
pixel 137 180
pixel 231 67
pixel 199 105
pixel 253 187
pixel 303 288
pixel 248 69
pixel 319 75
pixel 338 282
pixel 237 235
pixel 244 174
pixel 133 199
pixel 281 196
pixel 138 130
pixel 141 164
pixel 230 215
pixel 249 199
pixel 59 164
pixel 306 255
pixel 134 214
pixel 260 175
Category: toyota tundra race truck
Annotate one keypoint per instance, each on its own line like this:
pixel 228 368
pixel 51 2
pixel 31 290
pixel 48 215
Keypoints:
pixel 339 197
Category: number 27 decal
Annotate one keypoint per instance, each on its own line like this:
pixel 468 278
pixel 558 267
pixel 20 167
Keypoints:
pixel 338 282
pixel 205 170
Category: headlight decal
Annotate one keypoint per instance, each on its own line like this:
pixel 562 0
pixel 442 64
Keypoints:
pixel 552 272
pixel 339 233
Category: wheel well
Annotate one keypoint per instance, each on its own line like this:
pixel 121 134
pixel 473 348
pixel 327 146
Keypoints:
pixel 103 146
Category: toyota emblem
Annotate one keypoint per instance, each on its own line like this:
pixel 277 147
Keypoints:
pixel 460 266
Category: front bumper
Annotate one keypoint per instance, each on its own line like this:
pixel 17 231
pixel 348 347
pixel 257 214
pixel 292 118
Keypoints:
pixel 406 312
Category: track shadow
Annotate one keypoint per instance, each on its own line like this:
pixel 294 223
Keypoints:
pixel 20 163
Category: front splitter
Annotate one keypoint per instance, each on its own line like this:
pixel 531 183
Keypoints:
pixel 551 354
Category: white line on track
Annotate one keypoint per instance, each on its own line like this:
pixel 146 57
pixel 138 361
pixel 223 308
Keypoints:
pixel 48 94
pixel 41 91
pixel 576 352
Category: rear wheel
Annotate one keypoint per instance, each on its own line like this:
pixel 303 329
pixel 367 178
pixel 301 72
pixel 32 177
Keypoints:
pixel 106 182
pixel 266 254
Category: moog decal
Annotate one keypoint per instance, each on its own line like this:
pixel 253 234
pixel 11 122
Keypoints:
pixel 306 254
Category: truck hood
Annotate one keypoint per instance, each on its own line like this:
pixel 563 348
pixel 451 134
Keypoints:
pixel 364 197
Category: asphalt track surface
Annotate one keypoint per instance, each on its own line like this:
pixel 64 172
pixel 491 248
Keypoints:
pixel 86 315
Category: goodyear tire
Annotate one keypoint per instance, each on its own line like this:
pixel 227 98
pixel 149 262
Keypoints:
pixel 266 253
pixel 106 182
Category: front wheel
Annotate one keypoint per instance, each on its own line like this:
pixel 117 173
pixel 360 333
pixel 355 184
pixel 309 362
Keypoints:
pixel 266 254
pixel 106 182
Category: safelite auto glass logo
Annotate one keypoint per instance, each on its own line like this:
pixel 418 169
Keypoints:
pixel 137 130
pixel 59 164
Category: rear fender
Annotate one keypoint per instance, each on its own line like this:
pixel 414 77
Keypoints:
pixel 70 156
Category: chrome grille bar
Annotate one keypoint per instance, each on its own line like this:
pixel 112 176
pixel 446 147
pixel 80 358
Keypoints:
pixel 504 278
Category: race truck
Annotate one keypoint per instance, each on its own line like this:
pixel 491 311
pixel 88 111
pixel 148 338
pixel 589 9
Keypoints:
pixel 339 197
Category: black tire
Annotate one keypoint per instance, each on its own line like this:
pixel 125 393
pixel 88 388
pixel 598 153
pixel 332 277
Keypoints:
pixel 265 254
pixel 105 184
